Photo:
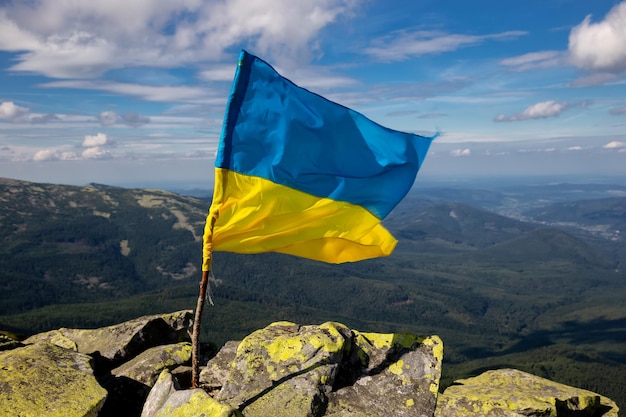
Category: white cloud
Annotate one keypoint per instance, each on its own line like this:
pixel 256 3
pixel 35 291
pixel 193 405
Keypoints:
pixel 615 145
pixel 596 78
pixel 218 73
pixel 575 148
pixel 542 110
pixel 601 46
pixel 460 152
pixel 534 60
pixel 402 45
pixel 45 155
pixel 82 39
pixel 95 152
pixel 145 92
pixel 107 118
pixel 11 111
pixel 318 78
pixel 43 118
pixel 99 139
pixel 54 154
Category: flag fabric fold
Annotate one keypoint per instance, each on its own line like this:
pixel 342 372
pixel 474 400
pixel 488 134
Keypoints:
pixel 298 174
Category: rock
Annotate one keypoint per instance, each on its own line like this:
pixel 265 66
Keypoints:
pixel 46 380
pixel 114 345
pixel 129 384
pixel 285 369
pixel 166 400
pixel 215 374
pixel 8 341
pixel 279 371
pixel 509 392
pixel 326 370
pixel 147 366
pixel 393 375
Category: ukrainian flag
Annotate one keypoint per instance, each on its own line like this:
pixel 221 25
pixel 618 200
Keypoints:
pixel 298 174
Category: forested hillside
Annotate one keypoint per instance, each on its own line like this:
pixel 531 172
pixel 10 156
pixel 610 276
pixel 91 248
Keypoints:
pixel 498 290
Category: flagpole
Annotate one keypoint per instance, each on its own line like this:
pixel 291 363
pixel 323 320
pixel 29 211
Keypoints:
pixel 195 336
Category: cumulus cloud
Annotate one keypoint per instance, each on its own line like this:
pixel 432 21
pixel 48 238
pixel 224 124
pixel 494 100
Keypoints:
pixel 45 155
pixel 94 149
pixel 460 152
pixel 601 46
pixel 95 152
pixel 542 110
pixel 615 145
pixel 10 111
pixel 403 45
pixel 99 139
pixel 53 155
pixel 82 39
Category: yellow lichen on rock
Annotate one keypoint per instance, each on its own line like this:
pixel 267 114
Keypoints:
pixel 437 345
pixel 509 392
pixel 199 404
pixel 335 342
pixel 396 367
pixel 284 348
pixel 388 340
pixel 46 380
pixel 378 340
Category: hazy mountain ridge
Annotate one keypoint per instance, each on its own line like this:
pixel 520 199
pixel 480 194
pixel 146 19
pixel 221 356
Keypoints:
pixel 94 241
pixel 605 217
pixel 457 223
pixel 486 283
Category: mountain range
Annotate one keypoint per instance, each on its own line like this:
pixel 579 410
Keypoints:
pixel 527 276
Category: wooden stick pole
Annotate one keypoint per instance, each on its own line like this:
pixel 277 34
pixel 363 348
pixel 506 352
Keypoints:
pixel 195 337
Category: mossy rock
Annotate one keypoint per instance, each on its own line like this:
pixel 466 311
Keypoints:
pixel 113 345
pixel 511 393
pixel 166 400
pixel 303 357
pixel 147 366
pixel 46 380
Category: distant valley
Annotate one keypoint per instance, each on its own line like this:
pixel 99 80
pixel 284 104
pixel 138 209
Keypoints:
pixel 524 276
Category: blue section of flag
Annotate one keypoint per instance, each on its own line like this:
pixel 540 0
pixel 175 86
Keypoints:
pixel 279 131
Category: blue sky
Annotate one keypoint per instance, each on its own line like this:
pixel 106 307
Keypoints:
pixel 133 93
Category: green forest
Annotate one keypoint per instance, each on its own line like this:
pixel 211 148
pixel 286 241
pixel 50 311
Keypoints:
pixel 539 291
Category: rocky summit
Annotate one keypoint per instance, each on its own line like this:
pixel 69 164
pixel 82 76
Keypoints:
pixel 140 368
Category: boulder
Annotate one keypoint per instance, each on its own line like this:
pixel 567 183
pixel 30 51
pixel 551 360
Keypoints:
pixel 285 369
pixel 129 384
pixel 326 370
pixel 167 400
pixel 509 392
pixel 147 366
pixel 393 375
pixel 111 346
pixel 281 370
pixel 215 374
pixel 47 380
